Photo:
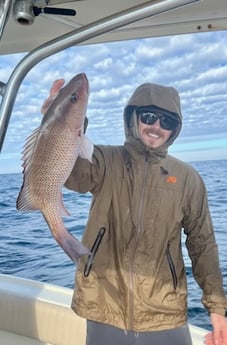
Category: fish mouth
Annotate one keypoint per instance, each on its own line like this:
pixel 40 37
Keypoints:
pixel 87 82
pixel 78 84
pixel 84 78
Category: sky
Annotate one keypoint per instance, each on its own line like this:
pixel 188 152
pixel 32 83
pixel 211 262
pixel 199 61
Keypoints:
pixel 195 64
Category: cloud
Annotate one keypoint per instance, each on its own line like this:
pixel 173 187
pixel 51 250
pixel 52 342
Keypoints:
pixel 194 64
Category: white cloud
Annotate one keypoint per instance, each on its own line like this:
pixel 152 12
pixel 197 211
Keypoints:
pixel 194 64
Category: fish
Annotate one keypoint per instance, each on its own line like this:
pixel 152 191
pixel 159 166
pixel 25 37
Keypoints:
pixel 49 155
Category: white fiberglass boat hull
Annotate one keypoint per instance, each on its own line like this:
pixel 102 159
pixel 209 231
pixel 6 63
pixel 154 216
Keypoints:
pixel 37 313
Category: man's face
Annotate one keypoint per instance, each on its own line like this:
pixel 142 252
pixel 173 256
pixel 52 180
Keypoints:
pixel 153 135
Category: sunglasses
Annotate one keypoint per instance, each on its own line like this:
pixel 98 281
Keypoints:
pixel 149 116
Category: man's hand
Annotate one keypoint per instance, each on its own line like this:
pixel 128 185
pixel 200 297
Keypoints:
pixel 219 334
pixel 57 84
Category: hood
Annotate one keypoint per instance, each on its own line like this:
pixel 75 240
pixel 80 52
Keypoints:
pixel 148 94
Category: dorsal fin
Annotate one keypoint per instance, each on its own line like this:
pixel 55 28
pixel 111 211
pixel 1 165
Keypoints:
pixel 24 200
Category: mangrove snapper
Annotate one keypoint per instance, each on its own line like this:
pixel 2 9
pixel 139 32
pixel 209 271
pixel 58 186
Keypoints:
pixel 49 156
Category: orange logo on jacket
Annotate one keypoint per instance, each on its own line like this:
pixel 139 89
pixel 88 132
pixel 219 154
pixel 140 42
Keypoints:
pixel 171 179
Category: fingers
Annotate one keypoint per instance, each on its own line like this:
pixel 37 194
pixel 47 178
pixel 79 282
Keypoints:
pixel 213 339
pixel 209 339
pixel 219 333
pixel 57 84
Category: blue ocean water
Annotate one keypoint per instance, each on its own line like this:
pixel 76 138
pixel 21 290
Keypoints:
pixel 28 250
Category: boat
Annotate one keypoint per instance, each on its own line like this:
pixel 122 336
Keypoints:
pixel 35 313
pixel 32 312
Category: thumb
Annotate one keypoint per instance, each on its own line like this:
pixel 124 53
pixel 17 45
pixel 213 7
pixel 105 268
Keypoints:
pixel 55 88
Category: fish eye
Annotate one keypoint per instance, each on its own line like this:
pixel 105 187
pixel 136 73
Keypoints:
pixel 74 97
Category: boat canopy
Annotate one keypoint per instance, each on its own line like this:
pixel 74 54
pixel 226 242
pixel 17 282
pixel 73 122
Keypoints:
pixel 26 24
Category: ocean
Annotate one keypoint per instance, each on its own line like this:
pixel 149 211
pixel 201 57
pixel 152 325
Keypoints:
pixel 28 250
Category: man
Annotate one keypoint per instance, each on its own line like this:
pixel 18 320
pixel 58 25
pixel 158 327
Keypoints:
pixel 133 291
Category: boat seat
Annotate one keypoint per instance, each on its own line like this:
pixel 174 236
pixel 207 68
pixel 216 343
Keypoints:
pixel 36 314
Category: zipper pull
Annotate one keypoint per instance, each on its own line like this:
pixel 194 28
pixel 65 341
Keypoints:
pixel 163 171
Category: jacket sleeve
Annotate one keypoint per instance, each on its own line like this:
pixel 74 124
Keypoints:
pixel 87 176
pixel 202 247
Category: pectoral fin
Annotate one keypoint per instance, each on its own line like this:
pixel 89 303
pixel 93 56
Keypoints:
pixel 86 148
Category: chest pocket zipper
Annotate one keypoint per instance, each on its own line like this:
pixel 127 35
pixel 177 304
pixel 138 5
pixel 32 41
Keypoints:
pixel 171 266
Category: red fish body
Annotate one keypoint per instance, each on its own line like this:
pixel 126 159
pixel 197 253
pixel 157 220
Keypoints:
pixel 48 159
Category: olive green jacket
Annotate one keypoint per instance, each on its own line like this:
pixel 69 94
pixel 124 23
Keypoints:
pixel 143 198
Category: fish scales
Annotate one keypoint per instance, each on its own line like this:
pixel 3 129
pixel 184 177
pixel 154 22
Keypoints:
pixel 49 156
pixel 52 167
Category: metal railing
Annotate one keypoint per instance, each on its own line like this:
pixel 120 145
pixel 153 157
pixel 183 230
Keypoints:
pixel 9 90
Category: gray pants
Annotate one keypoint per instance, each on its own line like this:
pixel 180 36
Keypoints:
pixel 101 334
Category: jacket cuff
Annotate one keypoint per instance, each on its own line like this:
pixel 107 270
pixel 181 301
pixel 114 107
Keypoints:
pixel 220 311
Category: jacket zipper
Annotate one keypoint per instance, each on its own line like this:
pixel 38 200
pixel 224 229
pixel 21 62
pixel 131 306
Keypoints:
pixel 138 229
pixel 171 266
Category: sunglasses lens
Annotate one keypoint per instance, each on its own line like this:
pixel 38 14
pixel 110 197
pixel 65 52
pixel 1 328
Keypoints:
pixel 166 122
pixel 148 118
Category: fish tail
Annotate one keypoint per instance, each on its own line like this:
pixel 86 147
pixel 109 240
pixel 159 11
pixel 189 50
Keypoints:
pixel 71 245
